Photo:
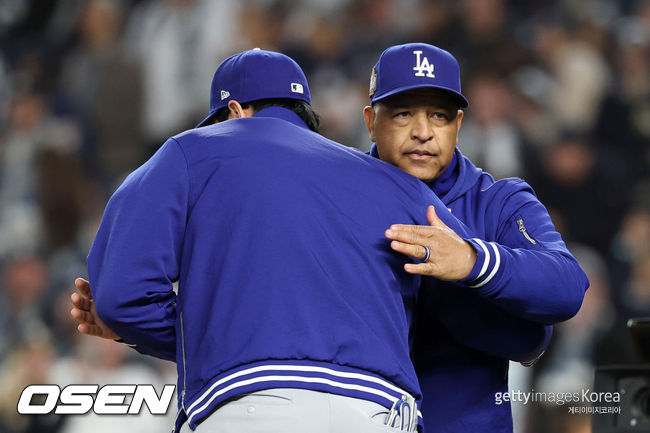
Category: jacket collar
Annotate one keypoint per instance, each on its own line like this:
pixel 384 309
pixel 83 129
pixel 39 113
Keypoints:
pixel 281 113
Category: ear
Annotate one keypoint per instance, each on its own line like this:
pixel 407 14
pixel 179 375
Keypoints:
pixel 369 118
pixel 236 110
pixel 459 122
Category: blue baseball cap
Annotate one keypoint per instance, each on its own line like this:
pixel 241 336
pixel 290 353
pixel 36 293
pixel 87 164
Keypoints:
pixel 414 66
pixel 253 75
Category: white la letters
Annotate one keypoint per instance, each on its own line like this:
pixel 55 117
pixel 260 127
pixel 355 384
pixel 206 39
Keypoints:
pixel 421 65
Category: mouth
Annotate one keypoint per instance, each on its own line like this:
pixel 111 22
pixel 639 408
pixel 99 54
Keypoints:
pixel 420 155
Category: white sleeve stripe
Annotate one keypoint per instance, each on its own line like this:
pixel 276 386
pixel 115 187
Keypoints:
pixel 497 263
pixel 487 257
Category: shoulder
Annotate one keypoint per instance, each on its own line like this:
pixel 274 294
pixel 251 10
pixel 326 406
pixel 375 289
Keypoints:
pixel 496 202
pixel 512 191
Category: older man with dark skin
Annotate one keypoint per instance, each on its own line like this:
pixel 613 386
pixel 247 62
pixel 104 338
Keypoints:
pixel 516 271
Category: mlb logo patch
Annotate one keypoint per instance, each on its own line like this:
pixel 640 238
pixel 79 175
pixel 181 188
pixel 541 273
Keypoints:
pixel 297 88
pixel 224 94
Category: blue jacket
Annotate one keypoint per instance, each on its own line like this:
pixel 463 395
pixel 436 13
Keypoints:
pixel 524 278
pixel 285 279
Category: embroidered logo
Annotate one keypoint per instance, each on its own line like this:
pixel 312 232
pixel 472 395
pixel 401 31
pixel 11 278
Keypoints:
pixel 297 88
pixel 224 94
pixel 373 82
pixel 422 65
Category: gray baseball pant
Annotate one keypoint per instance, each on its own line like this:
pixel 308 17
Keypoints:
pixel 291 410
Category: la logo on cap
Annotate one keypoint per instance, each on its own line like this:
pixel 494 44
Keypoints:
pixel 297 88
pixel 421 65
pixel 224 94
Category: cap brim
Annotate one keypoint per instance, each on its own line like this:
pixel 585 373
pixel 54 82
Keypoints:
pixel 462 101
pixel 207 120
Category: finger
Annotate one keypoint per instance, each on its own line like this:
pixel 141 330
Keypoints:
pixel 407 235
pixel 84 287
pixel 415 251
pixel 92 330
pixel 418 268
pixel 81 302
pixel 410 228
pixel 84 329
pixel 82 316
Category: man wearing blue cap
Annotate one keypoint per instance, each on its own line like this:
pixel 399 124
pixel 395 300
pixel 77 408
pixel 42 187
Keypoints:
pixel 519 267
pixel 292 312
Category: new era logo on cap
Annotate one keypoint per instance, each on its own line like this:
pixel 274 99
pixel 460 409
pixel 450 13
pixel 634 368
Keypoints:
pixel 224 94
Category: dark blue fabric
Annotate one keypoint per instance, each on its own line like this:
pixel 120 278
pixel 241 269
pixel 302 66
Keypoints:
pixel 276 236
pixel 447 179
pixel 540 283
pixel 465 336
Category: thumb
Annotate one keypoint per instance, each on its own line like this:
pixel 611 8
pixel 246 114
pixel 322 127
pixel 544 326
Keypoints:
pixel 432 217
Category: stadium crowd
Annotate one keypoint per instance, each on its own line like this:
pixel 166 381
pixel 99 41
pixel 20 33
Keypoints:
pixel 559 94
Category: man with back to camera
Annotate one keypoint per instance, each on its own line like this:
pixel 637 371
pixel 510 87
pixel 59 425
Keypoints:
pixel 521 268
pixel 290 300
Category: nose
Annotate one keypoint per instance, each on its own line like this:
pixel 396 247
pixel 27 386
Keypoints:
pixel 421 128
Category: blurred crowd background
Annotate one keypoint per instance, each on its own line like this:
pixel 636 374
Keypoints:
pixel 559 94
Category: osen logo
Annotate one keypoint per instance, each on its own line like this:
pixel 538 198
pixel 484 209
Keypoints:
pixel 78 399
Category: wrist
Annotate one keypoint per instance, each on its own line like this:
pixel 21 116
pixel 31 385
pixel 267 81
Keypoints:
pixel 471 260
pixel 486 265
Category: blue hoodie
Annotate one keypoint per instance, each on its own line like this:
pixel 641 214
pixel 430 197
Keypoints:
pixel 285 279
pixel 524 278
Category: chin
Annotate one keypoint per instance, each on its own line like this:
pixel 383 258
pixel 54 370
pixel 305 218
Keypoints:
pixel 424 177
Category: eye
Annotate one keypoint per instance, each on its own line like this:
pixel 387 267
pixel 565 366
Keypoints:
pixel 439 115
pixel 402 114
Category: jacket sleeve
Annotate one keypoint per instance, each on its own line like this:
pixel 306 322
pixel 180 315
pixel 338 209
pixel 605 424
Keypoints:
pixel 480 325
pixel 135 256
pixel 475 322
pixel 527 270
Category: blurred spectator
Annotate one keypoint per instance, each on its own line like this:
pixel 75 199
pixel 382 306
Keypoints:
pixel 637 295
pixel 433 23
pixel 103 87
pixel 623 126
pixel 482 43
pixel 631 242
pixel 488 136
pixel 60 194
pixel 102 362
pixel 29 173
pixel 179 43
pixel 30 363
pixel 24 280
pixel 20 224
pixel 586 205
pixel 580 78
